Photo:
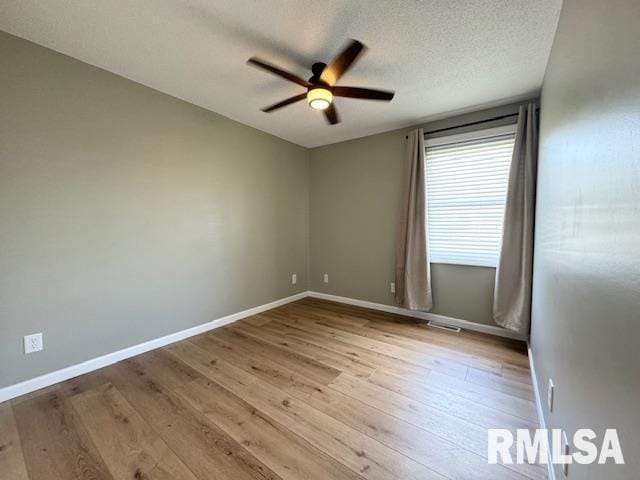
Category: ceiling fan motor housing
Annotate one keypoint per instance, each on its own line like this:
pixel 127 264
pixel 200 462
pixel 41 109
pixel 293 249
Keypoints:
pixel 319 93
pixel 321 87
pixel 317 69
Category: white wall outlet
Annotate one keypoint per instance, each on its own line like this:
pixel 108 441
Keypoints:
pixel 550 395
pixel 392 287
pixel 33 343
pixel 325 278
pixel 294 279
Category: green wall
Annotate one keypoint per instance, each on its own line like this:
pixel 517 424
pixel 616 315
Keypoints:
pixel 586 290
pixel 126 214
pixel 355 198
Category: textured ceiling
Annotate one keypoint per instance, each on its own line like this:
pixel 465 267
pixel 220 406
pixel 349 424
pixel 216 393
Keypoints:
pixel 438 55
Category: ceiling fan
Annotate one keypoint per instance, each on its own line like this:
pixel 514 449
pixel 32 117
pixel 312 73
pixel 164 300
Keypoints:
pixel 321 87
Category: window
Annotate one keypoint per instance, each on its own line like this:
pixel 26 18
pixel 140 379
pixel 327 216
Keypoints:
pixel 467 179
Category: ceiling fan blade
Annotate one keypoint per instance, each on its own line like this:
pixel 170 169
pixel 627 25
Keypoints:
pixel 342 62
pixel 256 62
pixel 284 103
pixel 365 93
pixel 331 115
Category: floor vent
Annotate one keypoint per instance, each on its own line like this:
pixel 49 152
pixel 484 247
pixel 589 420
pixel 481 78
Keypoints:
pixel 444 327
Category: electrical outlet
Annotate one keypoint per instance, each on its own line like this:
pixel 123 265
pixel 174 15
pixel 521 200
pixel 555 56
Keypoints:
pixel 550 395
pixel 325 278
pixel 392 287
pixel 565 451
pixel 294 279
pixel 33 343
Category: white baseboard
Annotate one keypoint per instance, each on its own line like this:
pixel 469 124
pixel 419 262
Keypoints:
pixel 454 322
pixel 536 394
pixel 27 386
pixel 12 391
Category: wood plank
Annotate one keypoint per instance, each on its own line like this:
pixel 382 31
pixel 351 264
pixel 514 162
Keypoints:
pixel 360 453
pixel 322 355
pixel 456 405
pixel 12 464
pixel 435 452
pixel 431 450
pixel 55 443
pixel 290 456
pixel 309 311
pixel 465 340
pixel 256 320
pixel 302 364
pixel 500 383
pixel 454 341
pixel 289 332
pixel 520 407
pixel 409 356
pixel 83 383
pixel 468 435
pixel 421 346
pixel 312 389
pixel 42 392
pixel 209 452
pixel 165 369
pixel 483 395
pixel 260 366
pixel 440 422
pixel 516 373
pixel 370 350
pixel 127 443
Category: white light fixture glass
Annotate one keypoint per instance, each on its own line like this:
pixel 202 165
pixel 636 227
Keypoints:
pixel 319 98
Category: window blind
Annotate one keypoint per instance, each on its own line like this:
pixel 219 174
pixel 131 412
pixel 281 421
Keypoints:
pixel 466 191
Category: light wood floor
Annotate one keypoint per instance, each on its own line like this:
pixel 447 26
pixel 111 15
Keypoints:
pixel 311 390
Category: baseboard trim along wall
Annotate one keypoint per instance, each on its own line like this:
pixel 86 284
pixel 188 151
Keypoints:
pixel 442 319
pixel 536 394
pixel 48 379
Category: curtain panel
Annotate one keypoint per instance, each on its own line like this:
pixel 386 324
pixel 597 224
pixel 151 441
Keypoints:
pixel 512 295
pixel 413 272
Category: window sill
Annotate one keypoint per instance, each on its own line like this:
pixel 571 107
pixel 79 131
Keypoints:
pixel 464 264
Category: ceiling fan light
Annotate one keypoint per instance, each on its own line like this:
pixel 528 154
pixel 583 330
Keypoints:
pixel 319 98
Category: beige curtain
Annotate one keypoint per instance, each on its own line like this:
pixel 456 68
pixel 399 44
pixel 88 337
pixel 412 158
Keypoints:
pixel 413 273
pixel 512 298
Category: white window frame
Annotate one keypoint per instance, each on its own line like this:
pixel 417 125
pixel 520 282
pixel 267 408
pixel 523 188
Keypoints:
pixel 463 137
pixel 475 135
